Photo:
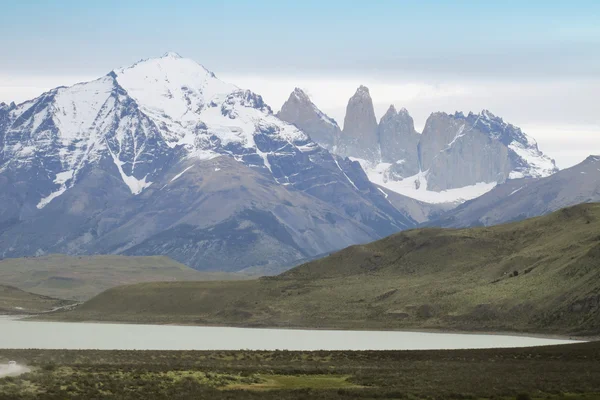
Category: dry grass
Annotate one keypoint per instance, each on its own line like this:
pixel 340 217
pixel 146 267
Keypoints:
pixel 426 279
pixel 82 277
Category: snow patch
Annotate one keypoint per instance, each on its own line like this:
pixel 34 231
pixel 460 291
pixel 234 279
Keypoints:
pixel 416 186
pixel 136 186
pixel 61 179
pixel 347 177
pixel 265 158
pixel 460 133
pixel 180 174
pixel 516 191
pixel 46 200
pixel 539 165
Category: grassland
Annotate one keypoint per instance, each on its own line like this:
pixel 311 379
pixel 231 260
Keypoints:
pixel 82 277
pixel 570 372
pixel 17 301
pixel 539 275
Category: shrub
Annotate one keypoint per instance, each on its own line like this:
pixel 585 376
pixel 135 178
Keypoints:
pixel 523 396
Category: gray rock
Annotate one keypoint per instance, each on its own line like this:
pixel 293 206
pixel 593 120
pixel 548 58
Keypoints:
pixel 399 141
pixel 300 111
pixel 359 137
pixel 459 151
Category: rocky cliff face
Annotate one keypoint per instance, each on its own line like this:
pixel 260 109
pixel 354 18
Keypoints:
pixel 164 158
pixel 359 137
pixel 300 111
pixel 458 151
pixel 399 141
pixel 455 159
pixel 457 154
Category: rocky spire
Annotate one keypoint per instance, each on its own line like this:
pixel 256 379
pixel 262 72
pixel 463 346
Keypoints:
pixel 399 141
pixel 304 114
pixel 359 137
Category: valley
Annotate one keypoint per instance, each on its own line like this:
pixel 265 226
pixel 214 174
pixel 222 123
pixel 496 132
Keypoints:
pixel 362 200
pixel 80 278
pixel 538 275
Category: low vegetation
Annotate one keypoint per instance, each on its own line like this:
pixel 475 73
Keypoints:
pixel 17 301
pixel 556 372
pixel 82 277
pixel 538 275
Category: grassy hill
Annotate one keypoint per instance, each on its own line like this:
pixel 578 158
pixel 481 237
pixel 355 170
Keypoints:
pixel 17 301
pixel 82 277
pixel 538 275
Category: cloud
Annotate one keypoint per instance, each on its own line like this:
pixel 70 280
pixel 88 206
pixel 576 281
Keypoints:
pixel 19 88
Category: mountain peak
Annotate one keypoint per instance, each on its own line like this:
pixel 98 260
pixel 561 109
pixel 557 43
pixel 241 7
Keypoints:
pixel 167 65
pixel 593 158
pixel 391 110
pixel 171 54
pixel 487 114
pixel 300 111
pixel 359 137
pixel 362 91
pixel 301 95
pixel 404 111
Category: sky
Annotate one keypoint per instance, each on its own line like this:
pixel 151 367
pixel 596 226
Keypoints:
pixel 534 63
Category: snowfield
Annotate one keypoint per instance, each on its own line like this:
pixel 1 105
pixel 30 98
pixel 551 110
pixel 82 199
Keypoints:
pixel 416 186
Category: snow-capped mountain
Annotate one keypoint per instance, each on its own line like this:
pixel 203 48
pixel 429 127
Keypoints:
pixel 456 158
pixel 160 157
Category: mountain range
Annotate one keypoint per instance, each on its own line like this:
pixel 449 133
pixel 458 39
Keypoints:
pixel 455 158
pixel 164 158
pixel 525 198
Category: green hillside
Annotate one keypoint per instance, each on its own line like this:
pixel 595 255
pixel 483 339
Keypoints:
pixel 82 277
pixel 17 301
pixel 538 275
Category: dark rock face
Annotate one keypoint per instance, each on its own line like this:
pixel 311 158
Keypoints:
pixel 458 154
pixel 300 111
pixel 359 137
pixel 99 168
pixel 399 142
pixel 454 150
pixel 460 151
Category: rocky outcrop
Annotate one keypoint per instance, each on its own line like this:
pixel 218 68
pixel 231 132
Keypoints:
pixel 359 137
pixel 399 141
pixel 458 154
pixel 458 151
pixel 455 151
pixel 300 111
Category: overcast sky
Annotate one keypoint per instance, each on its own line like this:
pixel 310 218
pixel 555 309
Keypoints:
pixel 536 64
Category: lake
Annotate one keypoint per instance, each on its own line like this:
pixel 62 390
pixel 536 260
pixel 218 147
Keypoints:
pixel 20 334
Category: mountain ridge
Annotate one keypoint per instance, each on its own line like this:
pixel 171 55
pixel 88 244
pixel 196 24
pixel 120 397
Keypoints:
pixel 81 164
pixel 454 151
